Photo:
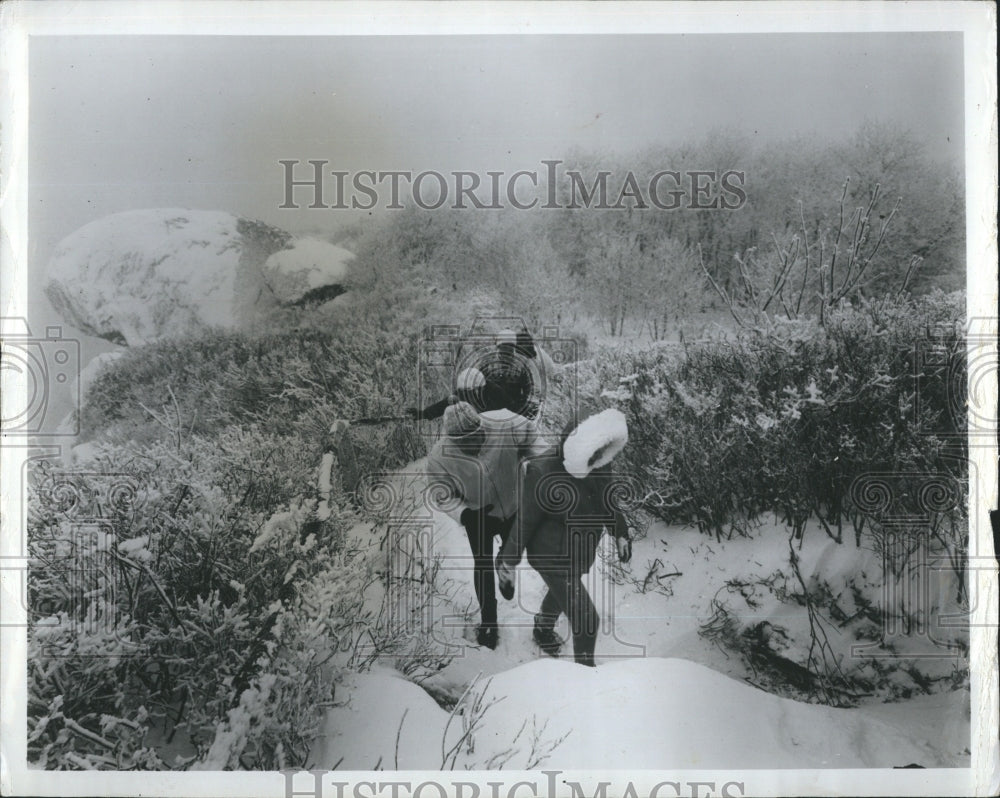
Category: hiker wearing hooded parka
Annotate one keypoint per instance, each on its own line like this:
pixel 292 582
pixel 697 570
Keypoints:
pixel 477 462
pixel 567 501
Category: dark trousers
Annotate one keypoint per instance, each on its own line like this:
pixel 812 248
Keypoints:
pixel 567 595
pixel 480 531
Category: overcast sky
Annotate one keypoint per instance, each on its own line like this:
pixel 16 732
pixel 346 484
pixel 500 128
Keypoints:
pixel 118 123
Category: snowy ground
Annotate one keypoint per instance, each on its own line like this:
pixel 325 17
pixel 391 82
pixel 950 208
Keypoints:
pixel 633 714
pixel 662 695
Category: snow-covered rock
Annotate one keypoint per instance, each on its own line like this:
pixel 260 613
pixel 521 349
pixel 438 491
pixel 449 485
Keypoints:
pixel 138 276
pixel 310 269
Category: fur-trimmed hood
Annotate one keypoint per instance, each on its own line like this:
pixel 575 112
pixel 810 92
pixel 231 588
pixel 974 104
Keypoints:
pixel 594 443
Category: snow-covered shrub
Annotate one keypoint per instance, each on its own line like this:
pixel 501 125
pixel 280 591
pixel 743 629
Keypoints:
pixel 155 609
pixel 224 579
pixel 785 418
pixel 292 383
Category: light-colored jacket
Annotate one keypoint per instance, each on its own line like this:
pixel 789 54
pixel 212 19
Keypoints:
pixel 491 477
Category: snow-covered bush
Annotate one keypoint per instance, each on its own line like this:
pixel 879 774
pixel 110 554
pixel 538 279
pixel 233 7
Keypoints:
pixel 785 418
pixel 167 583
pixel 853 424
pixel 829 626
pixel 292 383
pixel 223 606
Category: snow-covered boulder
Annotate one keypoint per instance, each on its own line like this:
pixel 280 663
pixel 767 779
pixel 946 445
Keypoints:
pixel 310 270
pixel 138 276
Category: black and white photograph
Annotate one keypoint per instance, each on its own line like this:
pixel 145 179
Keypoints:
pixel 491 400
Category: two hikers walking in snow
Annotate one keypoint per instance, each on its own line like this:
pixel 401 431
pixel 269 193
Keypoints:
pixel 490 461
pixel 478 456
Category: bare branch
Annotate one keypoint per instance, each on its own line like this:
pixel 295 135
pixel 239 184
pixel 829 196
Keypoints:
pixel 845 290
pixel 719 290
pixel 748 285
pixel 787 260
pixel 451 717
pixel 77 729
pixel 399 731
pixel 840 231
pixel 915 261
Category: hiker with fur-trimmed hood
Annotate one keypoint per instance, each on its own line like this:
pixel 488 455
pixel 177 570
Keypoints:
pixel 477 462
pixel 566 504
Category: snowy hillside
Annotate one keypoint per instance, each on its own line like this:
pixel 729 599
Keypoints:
pixel 349 635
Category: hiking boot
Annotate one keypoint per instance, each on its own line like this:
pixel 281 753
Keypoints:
pixel 548 641
pixel 486 635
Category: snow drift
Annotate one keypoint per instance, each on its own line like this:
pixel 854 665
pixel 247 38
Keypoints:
pixel 648 713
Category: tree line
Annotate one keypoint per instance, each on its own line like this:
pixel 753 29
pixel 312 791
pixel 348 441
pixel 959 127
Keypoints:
pixel 872 215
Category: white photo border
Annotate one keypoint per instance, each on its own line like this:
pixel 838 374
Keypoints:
pixel 20 21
